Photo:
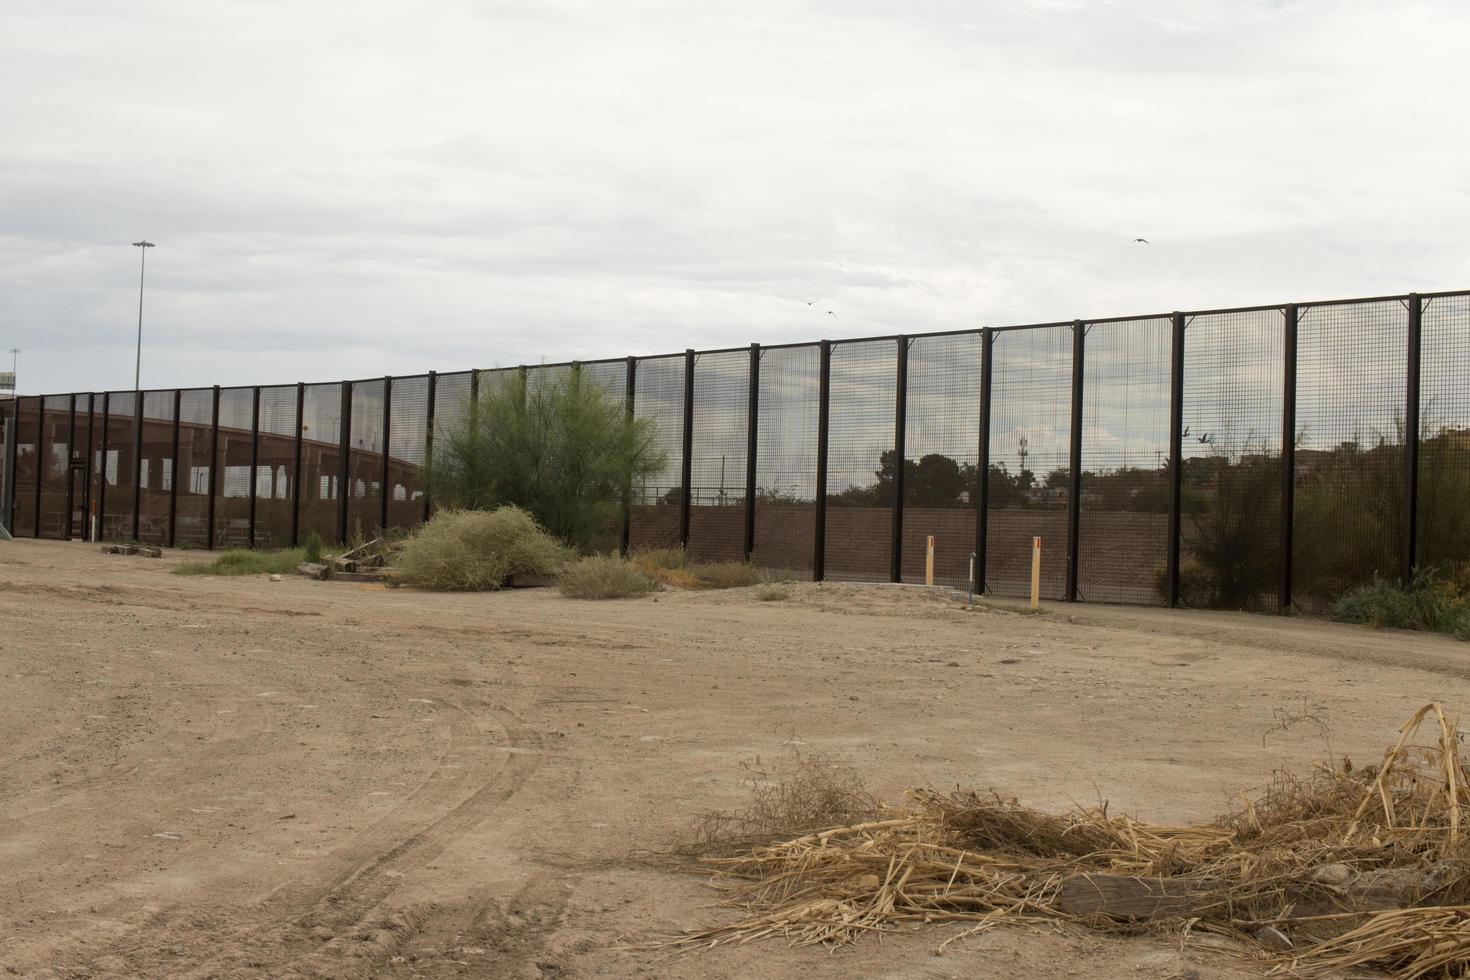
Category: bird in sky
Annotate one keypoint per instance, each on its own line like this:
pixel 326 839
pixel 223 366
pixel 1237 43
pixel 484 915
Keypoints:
pixel 808 302
pixel 1205 439
pixel 830 313
pixel 1143 240
pixel 1185 432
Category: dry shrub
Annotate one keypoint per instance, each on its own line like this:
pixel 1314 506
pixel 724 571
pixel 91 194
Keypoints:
pixel 770 592
pixel 603 577
pixel 728 575
pixel 476 550
pixel 807 792
pixel 1313 858
pixel 667 566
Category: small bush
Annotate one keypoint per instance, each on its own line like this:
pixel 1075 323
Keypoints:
pixel 772 593
pixel 312 547
pixel 242 561
pixel 727 575
pixel 476 551
pixel 1196 584
pixel 604 577
pixel 1426 604
pixel 666 566
pixel 667 558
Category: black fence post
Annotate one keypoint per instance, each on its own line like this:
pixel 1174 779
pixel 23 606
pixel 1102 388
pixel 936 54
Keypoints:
pixel 1074 457
pixel 686 466
pixel 631 382
pixel 824 386
pixel 752 423
pixel 296 472
pixel 71 448
pixel 344 464
pixel 383 487
pixel 1410 542
pixel 41 455
pixel 214 481
pixel 429 438
pixel 982 489
pixel 102 467
pixel 1176 445
pixel 254 460
pixel 900 433
pixel 173 483
pixel 7 485
pixel 87 472
pixel 137 463
pixel 1291 318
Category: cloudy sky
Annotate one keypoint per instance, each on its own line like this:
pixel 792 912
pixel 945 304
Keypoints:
pixel 356 189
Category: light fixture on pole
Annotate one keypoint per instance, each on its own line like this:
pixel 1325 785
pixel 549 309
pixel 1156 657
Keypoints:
pixel 145 245
pixel 14 374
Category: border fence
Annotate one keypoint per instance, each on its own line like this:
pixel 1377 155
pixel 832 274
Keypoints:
pixel 1248 458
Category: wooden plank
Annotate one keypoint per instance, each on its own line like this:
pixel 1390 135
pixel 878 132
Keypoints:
pixel 1125 897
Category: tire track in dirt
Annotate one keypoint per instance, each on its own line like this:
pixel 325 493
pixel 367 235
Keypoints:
pixel 328 921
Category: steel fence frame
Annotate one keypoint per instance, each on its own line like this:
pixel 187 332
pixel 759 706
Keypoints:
pixel 15 413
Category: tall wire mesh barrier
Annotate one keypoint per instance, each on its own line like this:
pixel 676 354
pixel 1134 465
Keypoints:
pixel 1443 525
pixel 1336 375
pixel 659 397
pixel 1123 548
pixel 610 378
pixel 1349 512
pixel 54 461
pixel 120 469
pixel 196 411
pixel 27 453
pixel 365 460
pixel 275 466
pixel 941 454
pixel 321 461
pixel 717 461
pixel 787 403
pixel 861 460
pixel 232 459
pixel 1030 436
pixel 407 433
pixel 1230 447
pixel 155 471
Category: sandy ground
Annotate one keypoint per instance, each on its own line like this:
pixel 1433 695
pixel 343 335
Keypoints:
pixel 207 777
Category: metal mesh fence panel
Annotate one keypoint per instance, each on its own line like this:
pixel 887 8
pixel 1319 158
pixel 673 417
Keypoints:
pixel 1123 544
pixel 452 400
pixel 861 461
pixel 717 456
pixel 321 457
pixel 787 408
pixel 120 470
pixel 1444 435
pixel 155 473
pixel 1230 527
pixel 232 486
pixel 90 442
pixel 27 453
pixel 659 398
pixel 365 461
pixel 7 429
pixel 1030 435
pixel 609 376
pixel 407 432
pixel 941 452
pixel 195 464
pixel 275 466
pixel 54 463
pixel 1351 363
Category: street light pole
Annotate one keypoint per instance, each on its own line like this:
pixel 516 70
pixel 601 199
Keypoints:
pixel 145 245
pixel 14 374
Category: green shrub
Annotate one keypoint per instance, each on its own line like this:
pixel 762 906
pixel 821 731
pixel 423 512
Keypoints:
pixel 603 577
pixel 242 561
pixel 312 547
pixel 1427 604
pixel 475 551
pixel 1196 584
pixel 564 450
pixel 727 575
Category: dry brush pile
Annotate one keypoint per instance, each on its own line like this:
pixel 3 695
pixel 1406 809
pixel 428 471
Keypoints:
pixel 1342 869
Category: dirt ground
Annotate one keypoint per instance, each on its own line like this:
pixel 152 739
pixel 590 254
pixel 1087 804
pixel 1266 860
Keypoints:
pixel 205 777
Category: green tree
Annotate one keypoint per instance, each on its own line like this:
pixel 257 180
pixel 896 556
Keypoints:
pixel 565 451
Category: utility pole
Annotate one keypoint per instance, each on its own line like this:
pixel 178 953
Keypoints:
pixel 144 245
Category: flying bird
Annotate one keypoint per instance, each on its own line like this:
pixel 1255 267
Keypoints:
pixel 1185 432
pixel 830 313
pixel 1143 240
pixel 1205 439
pixel 808 302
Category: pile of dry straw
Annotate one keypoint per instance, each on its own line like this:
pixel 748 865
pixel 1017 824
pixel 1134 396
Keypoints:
pixel 1342 869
